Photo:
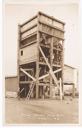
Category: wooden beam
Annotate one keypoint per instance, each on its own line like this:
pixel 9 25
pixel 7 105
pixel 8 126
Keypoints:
pixel 54 65
pixel 51 71
pixel 22 90
pixel 26 69
pixel 25 82
pixel 49 25
pixel 46 75
pixel 18 49
pixel 37 61
pixel 28 44
pixel 51 63
pixel 51 35
pixel 51 17
pixel 42 77
pixel 35 25
pixel 29 20
pixel 62 64
pixel 27 74
pixel 61 93
pixel 73 90
pixel 32 34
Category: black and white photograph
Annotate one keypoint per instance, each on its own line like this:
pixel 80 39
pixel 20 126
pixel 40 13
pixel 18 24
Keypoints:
pixel 42 63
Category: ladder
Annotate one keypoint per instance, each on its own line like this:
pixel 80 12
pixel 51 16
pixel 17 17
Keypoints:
pixel 30 90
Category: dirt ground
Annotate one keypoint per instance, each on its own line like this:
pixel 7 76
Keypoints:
pixel 45 111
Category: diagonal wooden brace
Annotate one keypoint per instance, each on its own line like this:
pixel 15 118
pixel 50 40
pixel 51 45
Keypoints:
pixel 51 71
pixel 27 74
pixel 42 77
pixel 46 75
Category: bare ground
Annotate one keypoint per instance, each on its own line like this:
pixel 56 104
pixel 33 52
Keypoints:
pixel 41 111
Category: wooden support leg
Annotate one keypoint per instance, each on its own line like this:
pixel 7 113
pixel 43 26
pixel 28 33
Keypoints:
pixel 73 90
pixel 51 64
pixel 62 70
pixel 50 87
pixel 37 62
pixel 37 81
pixel 21 69
pixel 51 71
pixel 18 69
pixel 61 94
pixel 46 75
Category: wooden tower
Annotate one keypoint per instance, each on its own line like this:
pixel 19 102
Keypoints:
pixel 40 56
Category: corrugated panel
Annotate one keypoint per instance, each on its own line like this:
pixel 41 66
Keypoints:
pixel 29 54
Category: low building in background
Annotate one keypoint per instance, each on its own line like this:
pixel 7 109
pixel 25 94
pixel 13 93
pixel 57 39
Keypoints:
pixel 70 80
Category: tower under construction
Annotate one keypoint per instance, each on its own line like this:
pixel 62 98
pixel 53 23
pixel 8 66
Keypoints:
pixel 41 57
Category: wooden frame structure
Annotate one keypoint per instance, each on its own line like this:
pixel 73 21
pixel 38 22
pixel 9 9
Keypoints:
pixel 40 56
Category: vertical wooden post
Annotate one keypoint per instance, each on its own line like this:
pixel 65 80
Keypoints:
pixel 51 64
pixel 73 90
pixel 37 62
pixel 18 48
pixel 75 82
pixel 62 64
pixel 43 93
pixel 61 94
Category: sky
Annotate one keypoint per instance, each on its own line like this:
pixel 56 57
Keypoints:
pixel 18 13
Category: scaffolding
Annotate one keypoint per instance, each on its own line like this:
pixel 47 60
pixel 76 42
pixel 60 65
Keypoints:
pixel 41 57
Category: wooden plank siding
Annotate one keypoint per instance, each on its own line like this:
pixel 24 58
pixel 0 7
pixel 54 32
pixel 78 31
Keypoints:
pixel 29 53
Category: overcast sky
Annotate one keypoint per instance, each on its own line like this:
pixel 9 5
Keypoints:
pixel 18 13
